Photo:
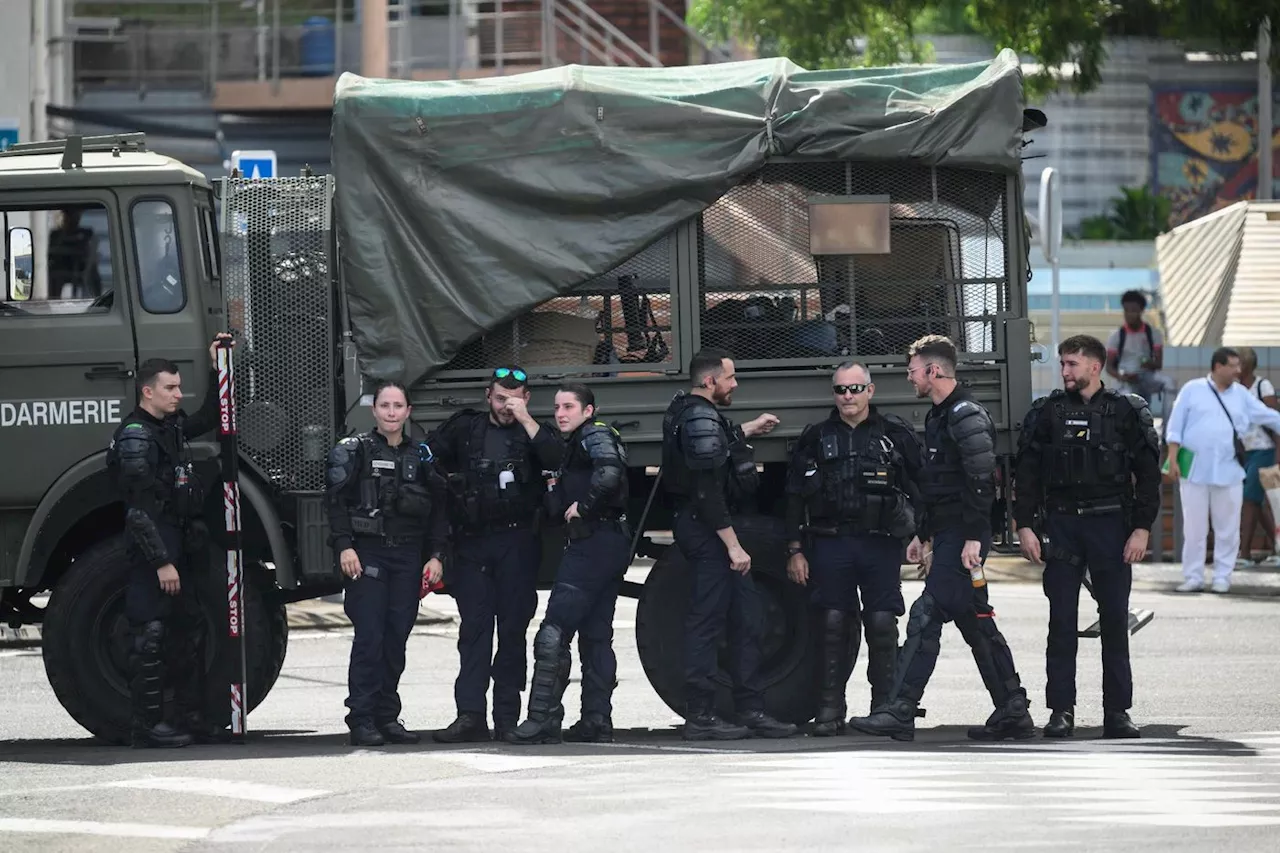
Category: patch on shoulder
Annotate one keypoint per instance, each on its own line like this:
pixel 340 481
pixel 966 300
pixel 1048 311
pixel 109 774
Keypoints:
pixel 963 405
pixel 134 426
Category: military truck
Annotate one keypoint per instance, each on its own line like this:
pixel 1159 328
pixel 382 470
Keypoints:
pixel 596 223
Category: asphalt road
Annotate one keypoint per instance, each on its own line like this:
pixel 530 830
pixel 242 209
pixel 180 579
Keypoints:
pixel 1207 776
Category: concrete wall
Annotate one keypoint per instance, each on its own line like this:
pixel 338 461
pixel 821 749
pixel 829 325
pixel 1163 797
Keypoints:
pixel 15 64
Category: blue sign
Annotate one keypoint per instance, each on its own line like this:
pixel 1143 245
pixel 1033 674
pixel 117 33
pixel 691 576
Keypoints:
pixel 254 165
pixel 8 133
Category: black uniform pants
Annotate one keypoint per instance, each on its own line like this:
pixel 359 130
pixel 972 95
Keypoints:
pixel 950 596
pixel 583 600
pixel 719 598
pixel 177 620
pixel 841 567
pixel 1075 543
pixel 382 604
pixel 494 579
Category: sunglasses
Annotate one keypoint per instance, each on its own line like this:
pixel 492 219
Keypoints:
pixel 516 373
pixel 841 390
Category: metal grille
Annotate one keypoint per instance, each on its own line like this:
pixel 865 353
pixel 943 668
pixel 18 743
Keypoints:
pixel 620 319
pixel 276 243
pixel 764 296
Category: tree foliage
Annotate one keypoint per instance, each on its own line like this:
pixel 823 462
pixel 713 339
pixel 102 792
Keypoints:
pixel 1065 38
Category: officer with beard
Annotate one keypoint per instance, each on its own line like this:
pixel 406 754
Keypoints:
pixel 590 497
pixel 1088 478
pixel 957 486
pixel 386 512
pixel 494 461
pixel 710 473
pixel 851 477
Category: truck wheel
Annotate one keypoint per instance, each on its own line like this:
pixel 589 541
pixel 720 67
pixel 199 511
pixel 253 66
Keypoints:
pixel 787 658
pixel 86 641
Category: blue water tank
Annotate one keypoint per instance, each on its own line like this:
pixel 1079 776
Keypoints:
pixel 316 47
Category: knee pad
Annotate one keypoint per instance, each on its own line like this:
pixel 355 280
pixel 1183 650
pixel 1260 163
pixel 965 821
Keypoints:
pixel 549 642
pixel 926 622
pixel 881 627
pixel 149 639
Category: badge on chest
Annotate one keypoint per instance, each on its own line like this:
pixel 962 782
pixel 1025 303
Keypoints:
pixel 1077 429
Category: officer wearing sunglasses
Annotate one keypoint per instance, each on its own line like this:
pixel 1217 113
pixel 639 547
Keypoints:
pixel 850 496
pixel 494 460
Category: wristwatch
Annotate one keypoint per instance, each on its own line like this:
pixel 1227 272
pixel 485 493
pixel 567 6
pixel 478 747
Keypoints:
pixel 792 550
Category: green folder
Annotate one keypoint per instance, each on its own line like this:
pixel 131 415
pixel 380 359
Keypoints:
pixel 1185 459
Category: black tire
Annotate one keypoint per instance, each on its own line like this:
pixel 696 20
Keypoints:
pixel 787 652
pixel 86 636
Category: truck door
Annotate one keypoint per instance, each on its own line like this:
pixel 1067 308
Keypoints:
pixel 170 298
pixel 67 355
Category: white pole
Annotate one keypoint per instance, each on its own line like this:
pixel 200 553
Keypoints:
pixel 1264 111
pixel 39 133
pixel 1050 245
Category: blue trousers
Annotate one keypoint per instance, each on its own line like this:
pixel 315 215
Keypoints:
pixel 382 604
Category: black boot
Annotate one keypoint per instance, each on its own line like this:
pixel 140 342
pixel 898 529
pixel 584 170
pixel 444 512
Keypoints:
pixel 550 678
pixel 365 733
pixel 837 649
pixel 1116 724
pixel 201 730
pixel 1061 724
pixel 762 725
pixel 895 719
pixel 882 654
pixel 1010 721
pixel 592 728
pixel 467 728
pixel 395 732
pixel 147 688
pixel 704 725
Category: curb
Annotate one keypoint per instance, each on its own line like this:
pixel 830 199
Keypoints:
pixel 301 618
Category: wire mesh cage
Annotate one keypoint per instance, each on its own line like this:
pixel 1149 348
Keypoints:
pixel 618 322
pixel 768 300
pixel 276 254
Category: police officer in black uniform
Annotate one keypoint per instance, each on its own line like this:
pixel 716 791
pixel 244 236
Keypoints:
pixel 957 486
pixel 1088 479
pixel 849 494
pixel 590 499
pixel 167 545
pixel 386 513
pixel 495 462
pixel 710 472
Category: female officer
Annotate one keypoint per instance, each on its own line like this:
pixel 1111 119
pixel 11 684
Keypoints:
pixel 386 512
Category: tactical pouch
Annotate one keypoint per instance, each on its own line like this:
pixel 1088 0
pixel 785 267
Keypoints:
pixel 362 525
pixel 578 528
pixel 413 501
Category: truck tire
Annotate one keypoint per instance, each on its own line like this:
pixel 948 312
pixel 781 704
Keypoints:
pixel 86 636
pixel 787 660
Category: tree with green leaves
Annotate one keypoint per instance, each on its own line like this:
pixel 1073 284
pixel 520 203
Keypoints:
pixel 1056 33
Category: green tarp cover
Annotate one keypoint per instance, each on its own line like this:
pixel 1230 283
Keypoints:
pixel 462 204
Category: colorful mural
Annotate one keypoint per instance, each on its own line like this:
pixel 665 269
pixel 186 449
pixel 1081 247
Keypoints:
pixel 1204 150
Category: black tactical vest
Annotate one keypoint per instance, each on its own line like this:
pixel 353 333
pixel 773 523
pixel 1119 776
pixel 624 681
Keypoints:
pixel 855 479
pixel 499 492
pixel 942 476
pixel 1085 446
pixel 393 494
pixel 574 481
pixel 179 493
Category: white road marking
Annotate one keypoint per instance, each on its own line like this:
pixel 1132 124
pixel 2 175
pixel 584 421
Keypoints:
pixel 495 762
pixel 232 789
pixel 94 827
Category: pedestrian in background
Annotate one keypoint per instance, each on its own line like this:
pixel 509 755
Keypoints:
pixel 1260 446
pixel 1209 418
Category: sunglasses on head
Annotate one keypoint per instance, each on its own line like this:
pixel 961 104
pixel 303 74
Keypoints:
pixel 841 390
pixel 515 373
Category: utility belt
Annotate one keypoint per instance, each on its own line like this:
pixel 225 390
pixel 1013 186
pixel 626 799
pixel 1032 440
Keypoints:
pixel 372 531
pixel 843 528
pixel 1097 506
pixel 578 529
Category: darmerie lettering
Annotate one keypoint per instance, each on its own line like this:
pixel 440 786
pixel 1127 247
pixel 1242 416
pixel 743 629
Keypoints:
pixel 41 413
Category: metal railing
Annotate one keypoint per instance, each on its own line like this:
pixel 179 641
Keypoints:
pixel 200 43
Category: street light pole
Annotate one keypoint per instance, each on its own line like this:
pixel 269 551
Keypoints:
pixel 1265 121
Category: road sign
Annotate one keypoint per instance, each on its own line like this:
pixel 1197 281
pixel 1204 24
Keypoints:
pixel 255 164
pixel 8 132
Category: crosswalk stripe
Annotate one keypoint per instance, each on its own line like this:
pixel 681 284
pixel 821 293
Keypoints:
pixel 94 827
pixel 232 789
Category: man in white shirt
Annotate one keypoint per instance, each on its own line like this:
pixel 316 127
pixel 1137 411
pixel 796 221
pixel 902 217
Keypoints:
pixel 1207 416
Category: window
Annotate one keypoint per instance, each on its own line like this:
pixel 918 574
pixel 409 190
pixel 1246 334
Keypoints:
pixel 76 275
pixel 155 235
pixel 212 260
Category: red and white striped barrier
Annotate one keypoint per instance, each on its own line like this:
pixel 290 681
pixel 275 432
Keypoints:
pixel 227 437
